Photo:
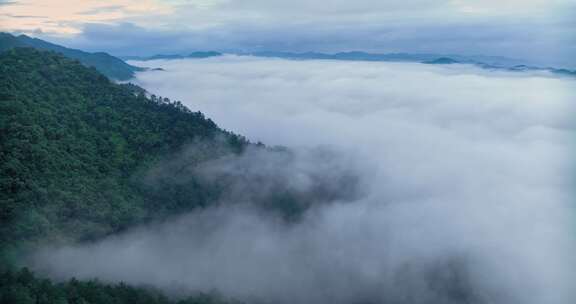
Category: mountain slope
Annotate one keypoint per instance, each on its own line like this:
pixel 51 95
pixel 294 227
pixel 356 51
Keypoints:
pixel 23 287
pixel 83 158
pixel 108 65
pixel 74 148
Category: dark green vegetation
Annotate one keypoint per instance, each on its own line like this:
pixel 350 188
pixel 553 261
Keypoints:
pixel 75 149
pixel 82 158
pixel 23 287
pixel 103 62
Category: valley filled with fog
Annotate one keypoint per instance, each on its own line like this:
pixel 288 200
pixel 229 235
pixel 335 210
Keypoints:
pixel 462 187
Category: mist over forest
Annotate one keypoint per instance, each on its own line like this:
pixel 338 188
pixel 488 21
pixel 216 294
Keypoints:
pixel 287 152
pixel 411 183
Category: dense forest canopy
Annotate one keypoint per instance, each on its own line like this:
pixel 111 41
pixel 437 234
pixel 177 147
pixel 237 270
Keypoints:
pixel 23 287
pixel 72 142
pixel 72 145
pixel 83 158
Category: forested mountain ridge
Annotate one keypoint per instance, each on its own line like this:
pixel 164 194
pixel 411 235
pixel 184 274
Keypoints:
pixel 108 65
pixel 83 158
pixel 24 287
pixel 72 142
pixel 73 149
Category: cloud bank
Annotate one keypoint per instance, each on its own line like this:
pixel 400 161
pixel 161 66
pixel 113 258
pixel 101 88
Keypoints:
pixel 465 177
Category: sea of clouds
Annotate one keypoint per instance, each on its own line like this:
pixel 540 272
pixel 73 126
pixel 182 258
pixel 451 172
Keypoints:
pixel 465 176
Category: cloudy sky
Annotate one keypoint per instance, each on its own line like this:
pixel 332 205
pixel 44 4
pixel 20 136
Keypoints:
pixel 533 29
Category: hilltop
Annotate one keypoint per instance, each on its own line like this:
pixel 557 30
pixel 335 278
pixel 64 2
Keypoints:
pixel 106 64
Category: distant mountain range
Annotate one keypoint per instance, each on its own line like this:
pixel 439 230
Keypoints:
pixel 106 64
pixel 485 62
pixel 175 56
pixel 355 56
pixel 511 68
pixel 403 57
pixel 116 68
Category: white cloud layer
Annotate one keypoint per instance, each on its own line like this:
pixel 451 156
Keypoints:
pixel 468 178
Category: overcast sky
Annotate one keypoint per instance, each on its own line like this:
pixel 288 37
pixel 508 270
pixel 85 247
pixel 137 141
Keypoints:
pixel 532 29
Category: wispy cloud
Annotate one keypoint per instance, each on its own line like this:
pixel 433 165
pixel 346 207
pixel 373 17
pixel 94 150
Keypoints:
pixel 6 2
pixel 24 16
pixel 68 17
pixel 103 9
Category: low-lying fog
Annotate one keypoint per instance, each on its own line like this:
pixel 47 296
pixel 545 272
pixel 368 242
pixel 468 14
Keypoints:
pixel 466 187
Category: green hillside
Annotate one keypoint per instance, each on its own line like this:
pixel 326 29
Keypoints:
pixel 74 152
pixel 23 287
pixel 73 146
pixel 82 158
pixel 108 65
